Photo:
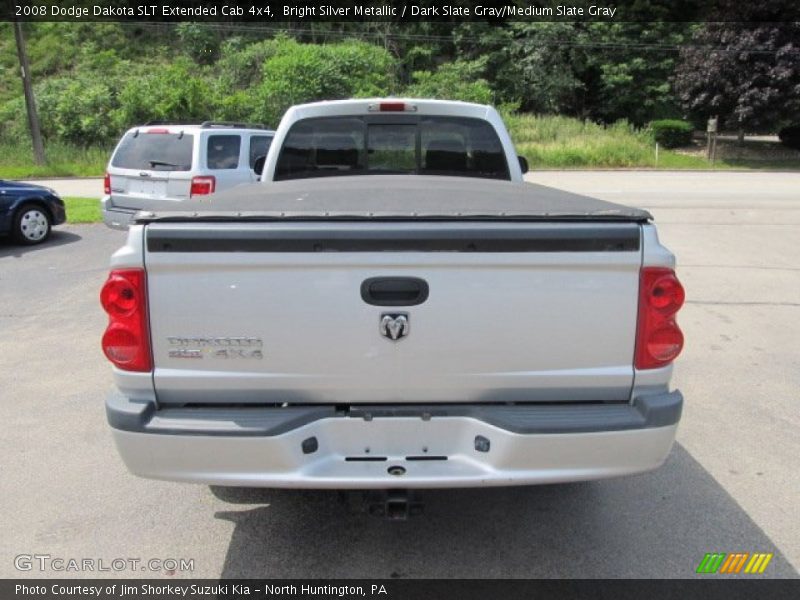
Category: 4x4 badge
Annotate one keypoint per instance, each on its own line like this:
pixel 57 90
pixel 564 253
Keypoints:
pixel 394 326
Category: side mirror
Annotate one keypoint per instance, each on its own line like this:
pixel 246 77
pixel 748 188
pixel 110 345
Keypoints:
pixel 258 165
pixel 523 164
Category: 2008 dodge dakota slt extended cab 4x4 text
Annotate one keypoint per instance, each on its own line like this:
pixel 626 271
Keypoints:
pixel 432 328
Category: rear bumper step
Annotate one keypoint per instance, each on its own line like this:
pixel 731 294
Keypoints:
pixel 308 447
pixel 646 412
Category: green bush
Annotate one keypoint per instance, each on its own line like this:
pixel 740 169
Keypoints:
pixel 82 114
pixel 74 110
pixel 200 43
pixel 13 120
pixel 299 73
pixel 239 65
pixel 174 92
pixel 672 133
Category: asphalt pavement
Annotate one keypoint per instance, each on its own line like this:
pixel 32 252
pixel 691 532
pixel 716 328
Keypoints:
pixel 731 484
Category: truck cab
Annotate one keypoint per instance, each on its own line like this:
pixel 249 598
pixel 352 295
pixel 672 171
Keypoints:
pixel 393 136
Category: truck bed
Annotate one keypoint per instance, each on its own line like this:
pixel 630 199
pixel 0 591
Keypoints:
pixel 401 197
pixel 530 293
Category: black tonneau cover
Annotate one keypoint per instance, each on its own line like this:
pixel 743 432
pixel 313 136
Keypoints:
pixel 395 197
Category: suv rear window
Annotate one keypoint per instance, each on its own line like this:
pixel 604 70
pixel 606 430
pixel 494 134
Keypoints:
pixel 332 146
pixel 154 151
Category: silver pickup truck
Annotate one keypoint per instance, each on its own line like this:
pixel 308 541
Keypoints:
pixel 392 331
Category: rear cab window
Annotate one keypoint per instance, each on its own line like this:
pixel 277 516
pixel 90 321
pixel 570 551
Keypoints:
pixel 392 148
pixel 154 150
pixel 403 144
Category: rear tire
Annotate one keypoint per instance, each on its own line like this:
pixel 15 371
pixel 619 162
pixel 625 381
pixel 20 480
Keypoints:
pixel 32 225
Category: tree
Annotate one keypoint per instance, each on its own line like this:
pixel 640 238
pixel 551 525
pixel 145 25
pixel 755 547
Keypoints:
pixel 601 70
pixel 30 101
pixel 459 80
pixel 538 70
pixel 625 68
pixel 746 73
pixel 525 63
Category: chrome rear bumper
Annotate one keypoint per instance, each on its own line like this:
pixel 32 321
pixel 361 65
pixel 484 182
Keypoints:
pixel 395 447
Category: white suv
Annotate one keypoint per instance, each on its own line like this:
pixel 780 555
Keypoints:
pixel 156 164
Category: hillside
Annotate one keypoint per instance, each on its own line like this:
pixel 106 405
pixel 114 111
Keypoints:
pixel 94 80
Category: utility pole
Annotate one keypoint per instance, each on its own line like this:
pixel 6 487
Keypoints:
pixel 30 103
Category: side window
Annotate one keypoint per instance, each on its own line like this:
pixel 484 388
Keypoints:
pixel 259 146
pixel 223 151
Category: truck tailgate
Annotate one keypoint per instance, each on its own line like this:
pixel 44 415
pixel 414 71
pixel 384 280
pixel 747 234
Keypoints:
pixel 273 312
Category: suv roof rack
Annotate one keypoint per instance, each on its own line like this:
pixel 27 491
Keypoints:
pixel 210 124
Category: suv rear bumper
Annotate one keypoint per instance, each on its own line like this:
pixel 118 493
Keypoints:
pixel 115 217
pixel 433 446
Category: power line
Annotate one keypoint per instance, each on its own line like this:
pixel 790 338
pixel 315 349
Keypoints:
pixel 363 35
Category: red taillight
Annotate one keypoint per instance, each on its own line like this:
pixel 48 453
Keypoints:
pixel 119 296
pixel 203 185
pixel 126 341
pixel 157 130
pixel 658 338
pixel 107 184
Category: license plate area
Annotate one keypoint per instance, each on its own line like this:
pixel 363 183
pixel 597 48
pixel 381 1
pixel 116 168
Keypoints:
pixel 147 187
pixel 391 439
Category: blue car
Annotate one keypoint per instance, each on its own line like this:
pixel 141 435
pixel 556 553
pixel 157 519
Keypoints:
pixel 28 212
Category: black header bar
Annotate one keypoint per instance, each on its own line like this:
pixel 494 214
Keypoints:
pixel 609 237
pixel 276 12
pixel 712 588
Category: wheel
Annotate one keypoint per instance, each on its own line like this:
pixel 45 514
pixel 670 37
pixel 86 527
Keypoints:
pixel 31 224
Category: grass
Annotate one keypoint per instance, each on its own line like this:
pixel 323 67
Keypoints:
pixel 83 210
pixel 62 160
pixel 556 142
pixel 562 142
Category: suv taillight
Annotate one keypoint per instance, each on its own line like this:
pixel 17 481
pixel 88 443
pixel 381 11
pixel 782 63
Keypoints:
pixel 203 185
pixel 107 184
pixel 126 342
pixel 659 340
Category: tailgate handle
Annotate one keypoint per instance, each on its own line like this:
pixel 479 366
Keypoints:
pixel 394 291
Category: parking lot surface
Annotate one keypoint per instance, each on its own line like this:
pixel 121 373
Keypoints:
pixel 731 484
